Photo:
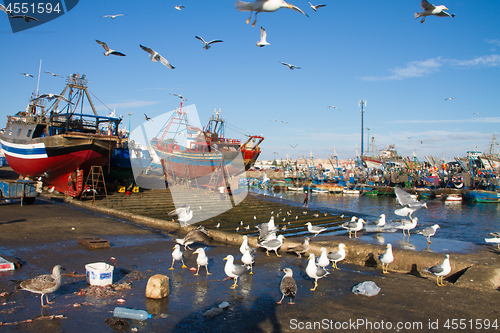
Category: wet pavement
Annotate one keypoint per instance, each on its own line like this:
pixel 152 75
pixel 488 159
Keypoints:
pixel 45 234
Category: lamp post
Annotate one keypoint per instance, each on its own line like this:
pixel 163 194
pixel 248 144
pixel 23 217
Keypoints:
pixel 129 114
pixel 368 140
pixel 362 104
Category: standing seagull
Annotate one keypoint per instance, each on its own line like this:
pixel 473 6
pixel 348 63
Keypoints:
pixel 354 225
pixel 248 259
pixel 380 222
pixel 177 255
pixel 273 244
pixel 108 50
pixel 430 9
pixel 288 287
pixel 264 6
pixel 495 238
pixel 386 258
pixel 44 284
pixel 234 271
pixel 112 16
pixel 292 67
pixel 440 270
pixel 301 248
pixel 155 56
pixel 429 231
pixel 315 272
pixel 316 7
pixel 335 257
pixel 207 44
pixel 314 230
pixel 323 259
pixel 407 225
pixel 201 260
pixel 244 246
pixel 263 35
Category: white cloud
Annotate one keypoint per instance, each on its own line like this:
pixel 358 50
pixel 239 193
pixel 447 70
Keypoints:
pixel 448 121
pixel 486 61
pixel 493 41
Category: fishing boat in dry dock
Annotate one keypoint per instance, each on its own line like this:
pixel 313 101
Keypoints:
pixel 203 152
pixel 59 146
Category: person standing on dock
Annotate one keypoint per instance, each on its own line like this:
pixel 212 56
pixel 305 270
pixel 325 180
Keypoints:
pixel 306 200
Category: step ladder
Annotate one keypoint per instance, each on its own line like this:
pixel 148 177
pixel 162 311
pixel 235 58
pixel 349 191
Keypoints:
pixel 95 184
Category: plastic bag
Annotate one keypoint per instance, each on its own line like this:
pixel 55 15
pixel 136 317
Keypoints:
pixel 367 288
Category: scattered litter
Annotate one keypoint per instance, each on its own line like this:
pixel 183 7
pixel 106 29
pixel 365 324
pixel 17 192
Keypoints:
pixel 32 320
pixel 213 312
pixel 223 305
pixel 120 300
pixel 122 286
pixel 97 291
pixel 99 273
pixel 367 288
pixel 131 313
pixel 94 242
pixel 6 265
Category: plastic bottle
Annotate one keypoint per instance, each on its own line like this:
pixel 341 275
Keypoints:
pixel 131 313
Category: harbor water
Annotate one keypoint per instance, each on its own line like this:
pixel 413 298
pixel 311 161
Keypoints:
pixel 459 221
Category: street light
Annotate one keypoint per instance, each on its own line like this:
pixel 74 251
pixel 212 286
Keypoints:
pixel 362 104
pixel 368 140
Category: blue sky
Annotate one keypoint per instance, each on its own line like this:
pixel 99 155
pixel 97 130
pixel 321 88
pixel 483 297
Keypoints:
pixel 347 51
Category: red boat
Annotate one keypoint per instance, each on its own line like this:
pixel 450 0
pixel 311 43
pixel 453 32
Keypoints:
pixel 59 146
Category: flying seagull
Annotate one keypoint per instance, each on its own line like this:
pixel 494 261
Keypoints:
pixel 44 284
pixel 149 119
pixel 207 44
pixel 316 7
pixel 180 96
pixel 264 6
pixel 52 96
pixel 406 200
pixel 289 65
pixel 294 146
pixel 430 9
pixel 2 8
pixel 112 16
pixel 25 17
pixel 26 74
pixel 155 56
pixel 449 98
pixel 263 35
pixel 53 74
pixel 333 107
pixel 108 50
pixel 198 235
pixel 179 7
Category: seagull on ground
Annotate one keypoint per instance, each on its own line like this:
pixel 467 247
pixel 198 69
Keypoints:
pixel 273 244
pixel 322 260
pixel 198 235
pixel 430 9
pixel 207 44
pixel 407 225
pixel 43 284
pixel 301 248
pixel 234 271
pixel 495 238
pixel 406 200
pixel 429 231
pixel 177 255
pixel 267 231
pixel 315 272
pixel 244 246
pixel 52 96
pixel 292 67
pixel 179 7
pixel 380 222
pixel 263 35
pixel 314 230
pixel 288 287
pixel 25 17
pixel 386 258
pixel 113 16
pixel 108 50
pixel 201 260
pixel 335 257
pixel 440 270
pixel 354 225
pixel 316 7
pixel 248 259
pixel 26 75
pixel 2 8
pixel 264 6
pixel 155 56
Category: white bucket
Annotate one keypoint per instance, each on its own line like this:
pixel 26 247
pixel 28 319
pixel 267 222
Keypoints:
pixel 99 274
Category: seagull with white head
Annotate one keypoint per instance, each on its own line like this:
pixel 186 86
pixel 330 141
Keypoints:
pixel 258 6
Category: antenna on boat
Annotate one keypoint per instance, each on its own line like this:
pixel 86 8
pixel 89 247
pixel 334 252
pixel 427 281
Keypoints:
pixel 38 83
